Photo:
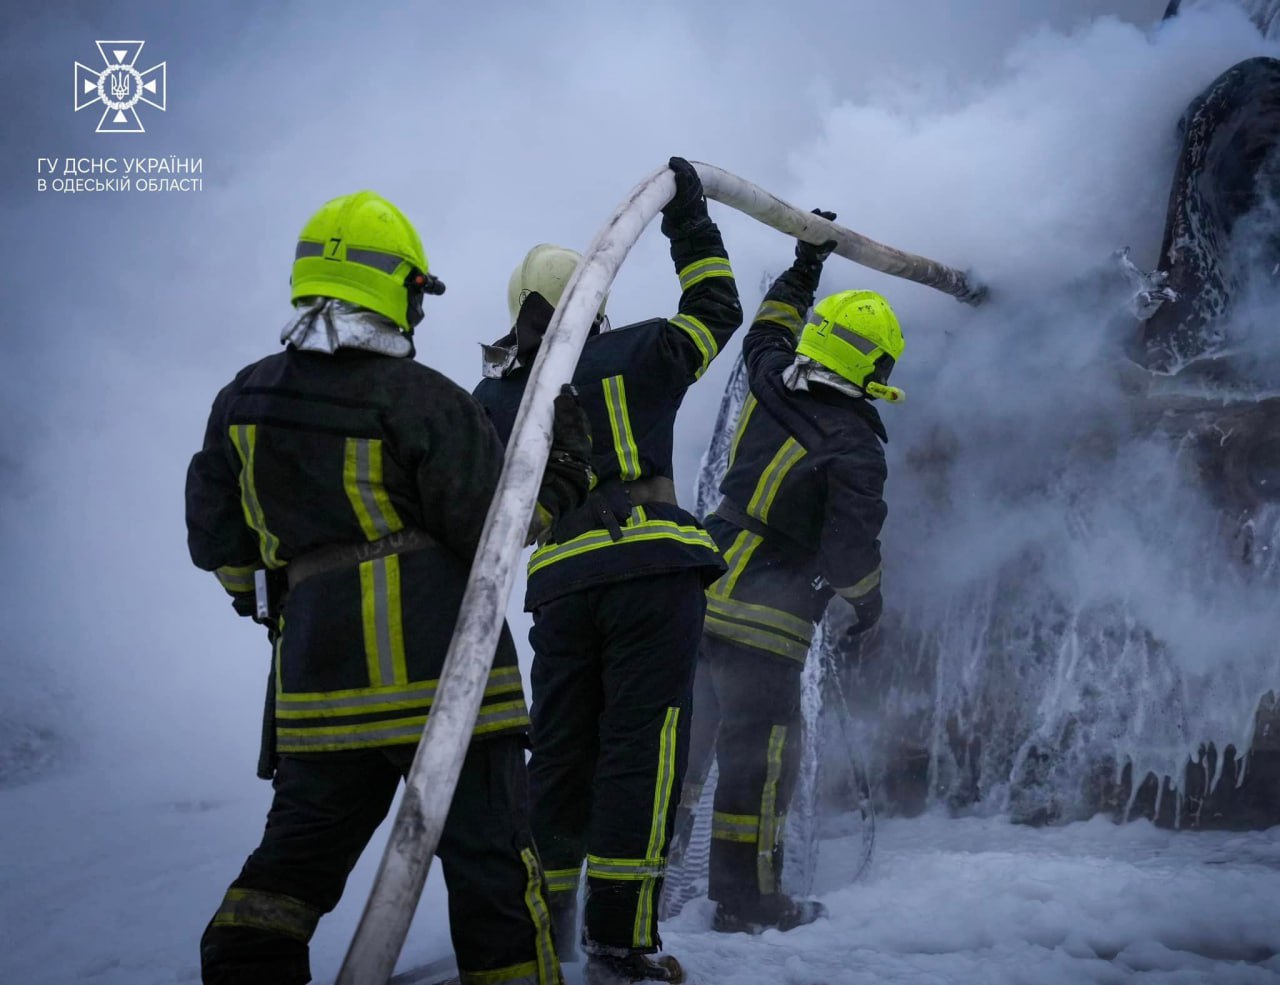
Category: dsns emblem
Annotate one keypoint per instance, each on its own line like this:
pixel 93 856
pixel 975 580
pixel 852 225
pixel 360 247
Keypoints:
pixel 120 86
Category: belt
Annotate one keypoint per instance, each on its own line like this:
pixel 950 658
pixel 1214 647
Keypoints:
pixel 610 504
pixel 655 489
pixel 336 556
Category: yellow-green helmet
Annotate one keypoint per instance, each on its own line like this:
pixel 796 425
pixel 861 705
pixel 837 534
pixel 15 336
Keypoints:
pixel 858 337
pixel 545 270
pixel 361 248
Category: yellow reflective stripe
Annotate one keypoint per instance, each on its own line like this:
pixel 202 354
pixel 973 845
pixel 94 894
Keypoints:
pixel 786 315
pixel 624 869
pixel 524 973
pixel 372 700
pixel 493 718
pixel 272 912
pixel 743 828
pixel 624 442
pixel 700 270
pixel 753 636
pixel 701 336
pixel 245 439
pixel 862 587
pixel 634 532
pixel 380 607
pixel 736 558
pixel 501 679
pixel 770 830
pixel 748 406
pixel 663 786
pixel 548 968
pixel 236 578
pixel 763 616
pixel 563 880
pixel 508 714
pixel 362 480
pixel 771 479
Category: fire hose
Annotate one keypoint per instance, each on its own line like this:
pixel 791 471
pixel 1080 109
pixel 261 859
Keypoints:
pixel 433 777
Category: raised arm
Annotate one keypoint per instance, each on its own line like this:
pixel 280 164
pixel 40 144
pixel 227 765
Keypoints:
pixel 710 311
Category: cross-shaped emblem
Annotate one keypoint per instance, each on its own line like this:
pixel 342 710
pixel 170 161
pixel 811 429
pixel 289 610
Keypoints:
pixel 120 86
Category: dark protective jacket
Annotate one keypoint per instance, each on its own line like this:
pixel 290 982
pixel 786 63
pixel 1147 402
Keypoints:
pixel 630 382
pixel 803 493
pixel 306 450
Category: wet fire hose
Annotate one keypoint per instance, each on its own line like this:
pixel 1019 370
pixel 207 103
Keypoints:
pixel 429 788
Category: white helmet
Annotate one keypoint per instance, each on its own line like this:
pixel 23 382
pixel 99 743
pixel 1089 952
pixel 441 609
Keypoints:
pixel 545 270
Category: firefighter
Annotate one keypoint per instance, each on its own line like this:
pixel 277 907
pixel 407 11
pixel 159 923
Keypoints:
pixel 798 525
pixel 617 594
pixel 362 478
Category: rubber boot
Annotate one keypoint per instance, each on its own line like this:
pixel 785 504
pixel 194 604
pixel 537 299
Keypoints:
pixel 607 969
pixel 776 912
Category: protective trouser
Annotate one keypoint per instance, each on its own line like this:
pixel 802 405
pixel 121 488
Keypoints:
pixel 326 807
pixel 612 680
pixel 747 719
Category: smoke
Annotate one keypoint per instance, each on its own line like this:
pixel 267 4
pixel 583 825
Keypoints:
pixel 1026 144
pixel 1050 552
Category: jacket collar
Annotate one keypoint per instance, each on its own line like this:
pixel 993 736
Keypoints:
pixel 328 324
pixel 805 373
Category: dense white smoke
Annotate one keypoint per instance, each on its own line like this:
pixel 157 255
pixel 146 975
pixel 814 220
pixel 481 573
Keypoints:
pixel 930 129
pixel 1054 561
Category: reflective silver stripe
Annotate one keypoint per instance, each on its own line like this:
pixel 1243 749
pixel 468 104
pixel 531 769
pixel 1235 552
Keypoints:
pixel 763 616
pixel 859 342
pixel 701 336
pixel 307 249
pixel 770 831
pixel 861 588
pixel 272 912
pixel 752 636
pixel 364 484
pixel 735 827
pixel 700 270
pixel 624 442
pixel 386 262
pixel 513 713
pixel 563 880
pixel 358 700
pixel 786 315
pixel 300 707
pixel 633 531
pixel 744 418
pixel 245 439
pixel 624 869
pixel 548 968
pixel 790 452
pixel 354 736
pixel 236 578
pixel 382 617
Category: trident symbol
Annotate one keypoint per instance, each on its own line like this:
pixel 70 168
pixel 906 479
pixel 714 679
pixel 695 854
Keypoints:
pixel 120 86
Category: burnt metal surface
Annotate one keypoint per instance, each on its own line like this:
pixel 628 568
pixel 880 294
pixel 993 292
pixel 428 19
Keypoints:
pixel 1227 168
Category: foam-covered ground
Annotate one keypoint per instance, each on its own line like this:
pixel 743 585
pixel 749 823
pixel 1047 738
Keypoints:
pixel 110 895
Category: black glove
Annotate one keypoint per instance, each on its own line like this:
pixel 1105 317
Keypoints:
pixel 688 206
pixel 567 479
pixel 810 258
